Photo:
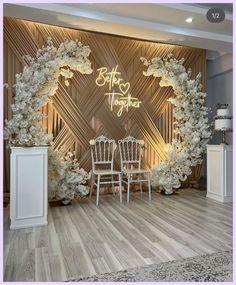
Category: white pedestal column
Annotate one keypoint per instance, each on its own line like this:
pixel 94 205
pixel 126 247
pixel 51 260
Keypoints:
pixel 29 187
pixel 220 172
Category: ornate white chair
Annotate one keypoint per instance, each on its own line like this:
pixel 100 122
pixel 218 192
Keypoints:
pixel 131 151
pixel 102 153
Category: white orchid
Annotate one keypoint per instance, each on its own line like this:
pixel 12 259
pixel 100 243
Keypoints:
pixel 191 122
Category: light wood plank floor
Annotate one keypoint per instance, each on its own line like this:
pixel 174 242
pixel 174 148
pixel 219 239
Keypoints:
pixel 83 239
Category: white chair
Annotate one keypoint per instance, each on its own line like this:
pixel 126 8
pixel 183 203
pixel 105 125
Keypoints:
pixel 131 151
pixel 102 153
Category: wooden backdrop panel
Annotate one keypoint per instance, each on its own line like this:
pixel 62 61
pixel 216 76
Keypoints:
pixel 81 111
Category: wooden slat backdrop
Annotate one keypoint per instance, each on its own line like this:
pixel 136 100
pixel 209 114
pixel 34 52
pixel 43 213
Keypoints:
pixel 81 111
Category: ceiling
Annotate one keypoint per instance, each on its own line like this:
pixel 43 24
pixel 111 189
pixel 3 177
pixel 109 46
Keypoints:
pixel 227 7
pixel 154 22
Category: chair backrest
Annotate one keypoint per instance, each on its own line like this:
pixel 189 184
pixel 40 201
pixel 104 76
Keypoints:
pixel 131 151
pixel 102 153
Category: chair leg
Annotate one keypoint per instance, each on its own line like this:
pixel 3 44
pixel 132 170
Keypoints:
pixel 120 187
pixel 92 184
pixel 149 186
pixel 98 190
pixel 91 192
pixel 128 188
pixel 113 189
pixel 140 185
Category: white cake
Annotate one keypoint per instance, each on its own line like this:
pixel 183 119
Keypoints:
pixel 223 112
pixel 221 124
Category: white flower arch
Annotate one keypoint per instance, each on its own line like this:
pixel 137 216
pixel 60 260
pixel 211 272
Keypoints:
pixel 191 122
pixel 33 89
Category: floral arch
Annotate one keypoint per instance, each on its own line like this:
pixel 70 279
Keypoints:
pixel 191 122
pixel 34 87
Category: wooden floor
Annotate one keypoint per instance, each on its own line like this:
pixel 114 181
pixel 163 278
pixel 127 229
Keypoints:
pixel 83 239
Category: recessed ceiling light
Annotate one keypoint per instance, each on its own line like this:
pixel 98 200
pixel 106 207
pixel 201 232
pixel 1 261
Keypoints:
pixel 189 20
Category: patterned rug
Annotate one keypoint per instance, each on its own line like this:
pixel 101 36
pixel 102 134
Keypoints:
pixel 216 267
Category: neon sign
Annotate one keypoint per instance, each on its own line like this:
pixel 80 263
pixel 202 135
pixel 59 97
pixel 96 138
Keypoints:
pixel 119 94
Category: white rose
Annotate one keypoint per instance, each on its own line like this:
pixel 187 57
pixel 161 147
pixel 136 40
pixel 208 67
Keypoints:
pixel 141 142
pixel 92 142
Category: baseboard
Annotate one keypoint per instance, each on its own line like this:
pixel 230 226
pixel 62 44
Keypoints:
pixel 218 198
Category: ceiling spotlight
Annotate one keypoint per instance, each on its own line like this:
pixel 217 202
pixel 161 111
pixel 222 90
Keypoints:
pixel 189 20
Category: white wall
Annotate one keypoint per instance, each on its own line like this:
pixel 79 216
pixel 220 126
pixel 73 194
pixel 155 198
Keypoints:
pixel 219 90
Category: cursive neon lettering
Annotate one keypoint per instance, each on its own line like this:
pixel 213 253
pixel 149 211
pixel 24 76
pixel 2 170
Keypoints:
pixel 121 98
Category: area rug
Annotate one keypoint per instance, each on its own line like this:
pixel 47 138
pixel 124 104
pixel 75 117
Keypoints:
pixel 216 267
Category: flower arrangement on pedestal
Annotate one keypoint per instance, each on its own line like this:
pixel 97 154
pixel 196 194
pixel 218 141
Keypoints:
pixel 33 89
pixel 191 122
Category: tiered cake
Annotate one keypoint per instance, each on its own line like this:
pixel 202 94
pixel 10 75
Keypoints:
pixel 223 120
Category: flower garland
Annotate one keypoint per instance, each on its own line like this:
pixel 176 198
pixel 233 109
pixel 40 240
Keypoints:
pixel 33 89
pixel 191 122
